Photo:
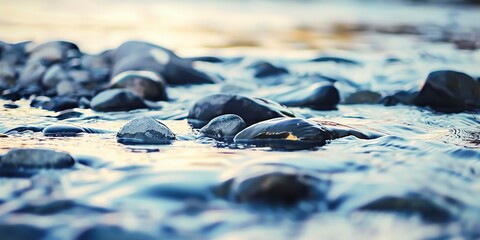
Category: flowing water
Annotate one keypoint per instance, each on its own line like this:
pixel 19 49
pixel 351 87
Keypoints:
pixel 428 161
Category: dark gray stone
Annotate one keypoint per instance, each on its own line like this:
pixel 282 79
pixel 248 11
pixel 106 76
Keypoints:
pixel 363 97
pixel 145 130
pixel 277 186
pixel 148 85
pixel 317 96
pixel 36 158
pixel 117 100
pixel 251 110
pixel 142 56
pixel 286 134
pixel 265 69
pixel 225 126
pixel 449 91
pixel 54 75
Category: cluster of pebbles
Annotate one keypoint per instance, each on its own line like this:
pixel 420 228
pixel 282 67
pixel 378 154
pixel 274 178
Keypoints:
pixel 57 76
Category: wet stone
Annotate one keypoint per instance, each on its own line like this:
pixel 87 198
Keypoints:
pixel 117 100
pixel 251 110
pixel 145 130
pixel 142 56
pixel 400 97
pixel 60 103
pixel 64 130
pixel 318 96
pixel 276 186
pixel 67 114
pixel 363 97
pixel 25 129
pixel 25 161
pixel 148 85
pixel 266 69
pixel 286 134
pixel 112 232
pixel 224 127
pixel 426 209
pixel 449 91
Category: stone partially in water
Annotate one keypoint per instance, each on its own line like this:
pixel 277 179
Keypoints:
pixel 276 185
pixel 146 84
pixel 286 134
pixel 318 96
pixel 142 56
pixel 145 130
pixel 64 130
pixel 117 100
pixel 60 103
pixel 251 110
pixel 225 126
pixel 400 97
pixel 363 97
pixel 26 161
pixel 449 91
pixel 410 205
pixel 265 69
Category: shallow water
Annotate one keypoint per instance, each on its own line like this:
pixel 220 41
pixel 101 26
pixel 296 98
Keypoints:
pixel 431 159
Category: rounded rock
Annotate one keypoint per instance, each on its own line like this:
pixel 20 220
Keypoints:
pixel 251 110
pixel 225 126
pixel 449 91
pixel 146 84
pixel 35 158
pixel 286 133
pixel 117 100
pixel 145 130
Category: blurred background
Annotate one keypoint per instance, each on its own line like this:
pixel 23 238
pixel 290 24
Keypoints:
pixel 232 26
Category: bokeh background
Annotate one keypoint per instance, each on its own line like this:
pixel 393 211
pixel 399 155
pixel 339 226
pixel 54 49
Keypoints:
pixel 232 26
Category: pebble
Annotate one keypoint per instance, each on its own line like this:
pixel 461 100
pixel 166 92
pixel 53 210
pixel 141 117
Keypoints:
pixel 265 69
pixel 363 97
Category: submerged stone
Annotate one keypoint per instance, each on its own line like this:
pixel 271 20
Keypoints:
pixel 251 110
pixel 225 126
pixel 117 100
pixel 67 114
pixel 410 205
pixel 21 162
pixel 60 103
pixel 449 91
pixel 286 133
pixel 363 97
pixel 318 96
pixel 400 97
pixel 145 130
pixel 64 130
pixel 265 69
pixel 148 85
pixel 25 129
pixel 276 185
